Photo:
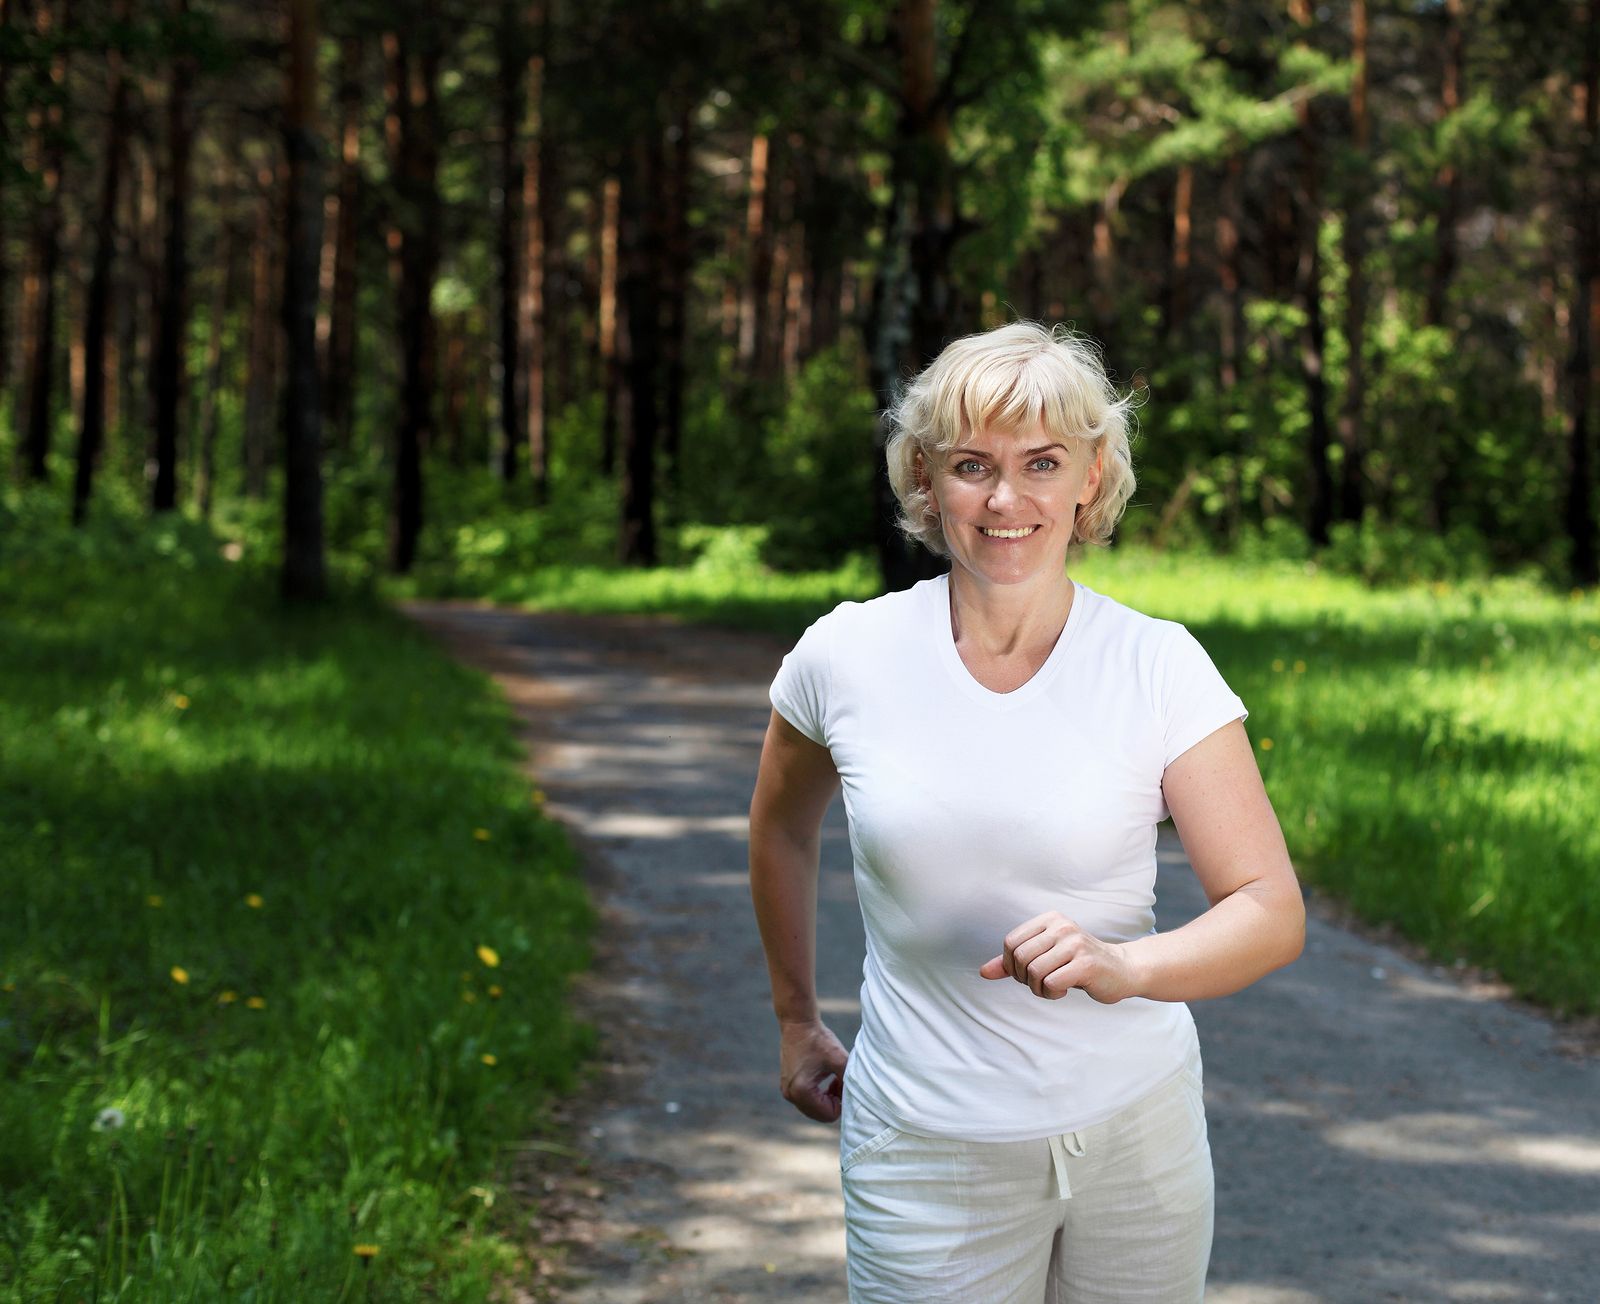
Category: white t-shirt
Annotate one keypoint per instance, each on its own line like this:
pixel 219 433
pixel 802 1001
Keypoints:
pixel 971 812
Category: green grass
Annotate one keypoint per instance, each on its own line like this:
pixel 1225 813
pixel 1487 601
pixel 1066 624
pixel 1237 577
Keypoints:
pixel 1431 749
pixel 249 858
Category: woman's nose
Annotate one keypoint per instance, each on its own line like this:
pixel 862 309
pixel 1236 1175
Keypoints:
pixel 1003 494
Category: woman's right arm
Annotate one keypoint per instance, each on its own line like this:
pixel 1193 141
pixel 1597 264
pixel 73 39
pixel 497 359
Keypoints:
pixel 794 785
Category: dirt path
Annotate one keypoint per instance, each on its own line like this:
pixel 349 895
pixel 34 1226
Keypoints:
pixel 1381 1129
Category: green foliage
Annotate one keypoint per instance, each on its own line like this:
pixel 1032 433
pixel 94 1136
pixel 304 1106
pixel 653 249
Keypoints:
pixel 820 459
pixel 251 855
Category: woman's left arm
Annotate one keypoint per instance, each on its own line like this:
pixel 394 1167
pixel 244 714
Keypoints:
pixel 1257 920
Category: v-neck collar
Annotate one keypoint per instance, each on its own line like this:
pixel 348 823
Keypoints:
pixel 950 656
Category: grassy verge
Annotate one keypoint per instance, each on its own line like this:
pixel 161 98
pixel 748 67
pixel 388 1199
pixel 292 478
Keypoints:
pixel 285 938
pixel 1431 749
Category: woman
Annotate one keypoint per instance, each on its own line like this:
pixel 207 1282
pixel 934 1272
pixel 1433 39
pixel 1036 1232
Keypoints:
pixel 1007 741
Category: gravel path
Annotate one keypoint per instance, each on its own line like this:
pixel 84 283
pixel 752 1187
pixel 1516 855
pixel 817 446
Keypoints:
pixel 1382 1129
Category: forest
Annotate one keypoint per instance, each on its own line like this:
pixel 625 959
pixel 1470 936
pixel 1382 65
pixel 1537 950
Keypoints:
pixel 313 313
pixel 362 274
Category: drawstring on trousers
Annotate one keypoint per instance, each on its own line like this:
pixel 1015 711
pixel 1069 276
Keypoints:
pixel 1068 1143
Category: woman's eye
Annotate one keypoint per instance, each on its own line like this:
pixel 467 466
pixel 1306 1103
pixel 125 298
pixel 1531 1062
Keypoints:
pixel 969 467
pixel 1044 463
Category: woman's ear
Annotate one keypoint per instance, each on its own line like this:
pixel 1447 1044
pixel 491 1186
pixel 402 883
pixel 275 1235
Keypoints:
pixel 1091 482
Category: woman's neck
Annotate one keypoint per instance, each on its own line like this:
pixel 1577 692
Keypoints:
pixel 1001 620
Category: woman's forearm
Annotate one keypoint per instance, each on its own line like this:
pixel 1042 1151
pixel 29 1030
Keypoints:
pixel 1245 936
pixel 783 889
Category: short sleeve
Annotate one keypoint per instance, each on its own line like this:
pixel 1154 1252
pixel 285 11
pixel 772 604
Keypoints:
pixel 800 689
pixel 1195 699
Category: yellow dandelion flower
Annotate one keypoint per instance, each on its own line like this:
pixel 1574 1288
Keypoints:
pixel 536 796
pixel 494 992
pixel 227 998
pixel 366 1251
pixel 8 987
pixel 490 1060
pixel 256 1002
pixel 1594 642
pixel 483 835
pixel 1277 665
pixel 469 997
pixel 180 701
pixel 153 901
pixel 1266 744
pixel 489 956
pixel 1299 667
pixel 253 900
pixel 180 975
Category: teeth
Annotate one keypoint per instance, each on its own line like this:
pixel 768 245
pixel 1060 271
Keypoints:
pixel 1009 534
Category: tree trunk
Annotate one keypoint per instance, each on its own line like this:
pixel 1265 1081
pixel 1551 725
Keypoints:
pixel 1352 417
pixel 417 173
pixel 1309 291
pixel 1448 180
pixel 1176 304
pixel 679 264
pixel 912 300
pixel 531 302
pixel 6 7
pixel 642 255
pixel 339 369
pixel 1230 325
pixel 91 427
pixel 39 287
pixel 758 259
pixel 1580 505
pixel 224 292
pixel 511 63
pixel 261 385
pixel 172 318
pixel 610 377
pixel 304 574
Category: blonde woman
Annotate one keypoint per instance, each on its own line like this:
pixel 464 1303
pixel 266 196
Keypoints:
pixel 1021 1116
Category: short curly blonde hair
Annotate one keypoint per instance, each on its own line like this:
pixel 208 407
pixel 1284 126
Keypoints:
pixel 1016 375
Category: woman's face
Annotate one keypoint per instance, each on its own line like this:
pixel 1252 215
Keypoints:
pixel 1008 501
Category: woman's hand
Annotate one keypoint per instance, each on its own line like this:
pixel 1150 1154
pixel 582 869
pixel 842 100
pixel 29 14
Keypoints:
pixel 1051 955
pixel 811 1068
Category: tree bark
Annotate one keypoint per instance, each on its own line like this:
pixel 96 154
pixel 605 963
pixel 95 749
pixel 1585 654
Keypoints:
pixel 531 302
pixel 224 291
pixel 39 287
pixel 1352 417
pixel 679 257
pixel 610 377
pixel 1177 297
pixel 912 299
pixel 1442 489
pixel 641 257
pixel 6 7
pixel 304 574
pixel 1580 505
pixel 172 318
pixel 91 426
pixel 1308 287
pixel 511 65
pixel 1230 332
pixel 261 385
pixel 340 366
pixel 419 217
pixel 758 259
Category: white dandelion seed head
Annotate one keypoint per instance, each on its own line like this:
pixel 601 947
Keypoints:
pixel 109 1120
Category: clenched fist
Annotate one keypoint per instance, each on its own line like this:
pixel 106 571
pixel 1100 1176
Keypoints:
pixel 1051 955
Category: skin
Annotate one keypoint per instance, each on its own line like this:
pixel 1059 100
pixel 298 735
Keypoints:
pixel 1009 601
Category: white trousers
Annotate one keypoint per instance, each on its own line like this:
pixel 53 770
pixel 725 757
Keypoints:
pixel 1121 1211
